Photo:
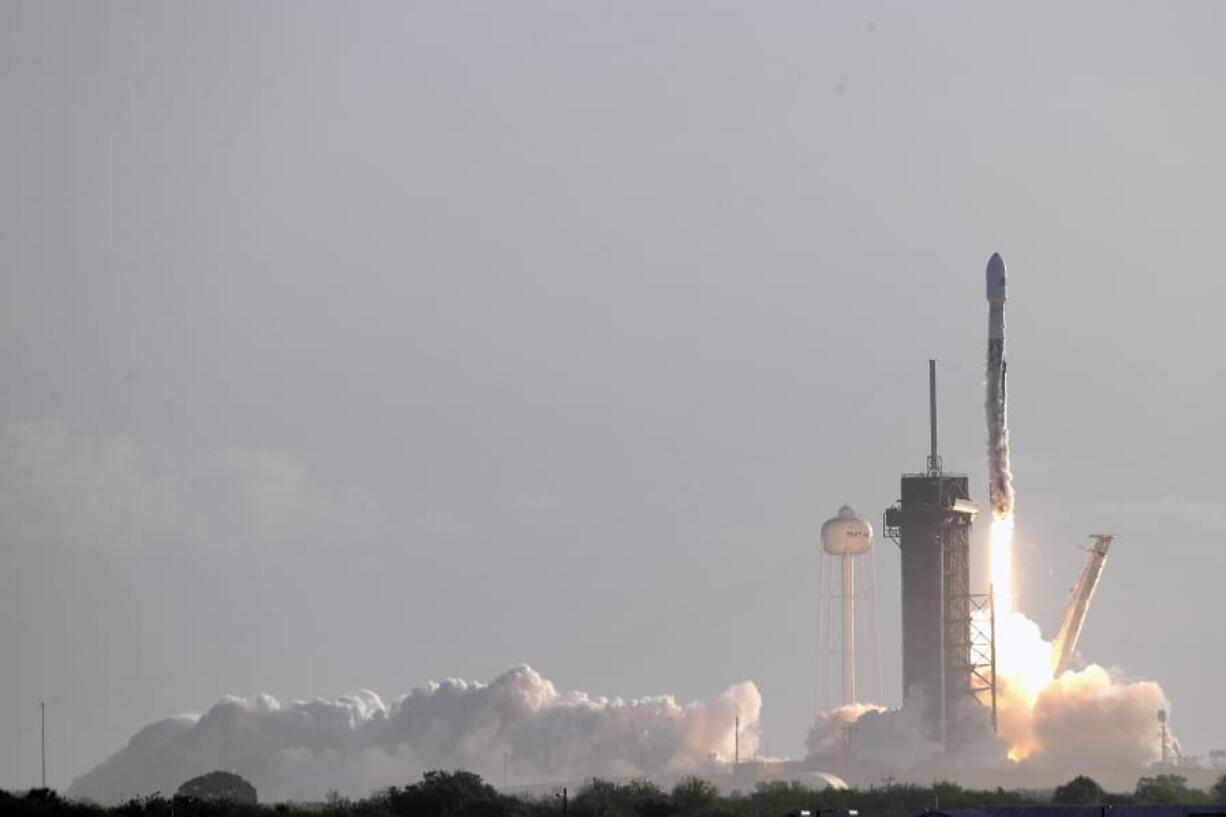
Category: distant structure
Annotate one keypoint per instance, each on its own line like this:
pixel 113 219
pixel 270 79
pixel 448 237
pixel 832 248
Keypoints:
pixel 847 611
pixel 947 651
pixel 1163 736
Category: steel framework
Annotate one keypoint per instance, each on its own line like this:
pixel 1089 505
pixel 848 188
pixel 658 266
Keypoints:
pixel 979 669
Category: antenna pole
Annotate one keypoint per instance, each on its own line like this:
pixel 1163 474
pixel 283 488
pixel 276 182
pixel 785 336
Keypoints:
pixel 42 728
pixel 736 757
pixel 1162 723
pixel 934 459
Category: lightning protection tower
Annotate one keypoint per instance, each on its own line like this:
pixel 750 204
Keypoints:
pixel 848 645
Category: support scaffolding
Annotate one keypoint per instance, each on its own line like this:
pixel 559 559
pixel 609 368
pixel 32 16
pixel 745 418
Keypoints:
pixel 979 668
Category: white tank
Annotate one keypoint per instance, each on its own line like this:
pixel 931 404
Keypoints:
pixel 847 534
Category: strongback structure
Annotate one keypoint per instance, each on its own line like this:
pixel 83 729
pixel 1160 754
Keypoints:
pixel 943 654
pixel 1083 592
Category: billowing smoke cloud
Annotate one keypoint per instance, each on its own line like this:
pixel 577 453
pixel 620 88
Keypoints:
pixel 359 743
pixel 1083 718
pixel 896 739
pixel 1090 714
pixel 829 733
pixel 892 737
pixel 1087 719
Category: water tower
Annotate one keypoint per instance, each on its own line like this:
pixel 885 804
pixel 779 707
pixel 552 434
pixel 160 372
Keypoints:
pixel 847 613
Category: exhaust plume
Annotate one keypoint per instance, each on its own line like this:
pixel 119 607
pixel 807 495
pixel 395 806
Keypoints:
pixel 1088 719
pixel 357 744
pixel 1077 719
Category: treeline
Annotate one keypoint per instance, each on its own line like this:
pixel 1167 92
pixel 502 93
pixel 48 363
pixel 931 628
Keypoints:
pixel 463 794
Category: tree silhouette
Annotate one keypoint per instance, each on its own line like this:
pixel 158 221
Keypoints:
pixel 451 794
pixel 225 786
pixel 1166 788
pixel 1081 790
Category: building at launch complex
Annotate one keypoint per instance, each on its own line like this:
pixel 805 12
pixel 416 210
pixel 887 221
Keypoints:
pixel 948 654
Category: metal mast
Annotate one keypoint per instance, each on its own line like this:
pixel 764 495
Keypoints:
pixel 934 459
pixel 42 728
pixel 736 742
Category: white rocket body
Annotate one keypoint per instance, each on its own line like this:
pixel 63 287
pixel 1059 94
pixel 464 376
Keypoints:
pixel 996 297
pixel 1000 480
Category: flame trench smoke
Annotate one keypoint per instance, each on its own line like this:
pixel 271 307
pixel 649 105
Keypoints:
pixel 358 744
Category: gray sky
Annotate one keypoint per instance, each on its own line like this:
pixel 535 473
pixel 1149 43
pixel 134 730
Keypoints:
pixel 358 345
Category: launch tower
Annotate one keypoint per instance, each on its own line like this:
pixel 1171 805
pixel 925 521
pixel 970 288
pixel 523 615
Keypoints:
pixel 931 524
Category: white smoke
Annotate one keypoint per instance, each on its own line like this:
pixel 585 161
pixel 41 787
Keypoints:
pixel 1088 719
pixel 898 738
pixel 892 737
pixel 357 744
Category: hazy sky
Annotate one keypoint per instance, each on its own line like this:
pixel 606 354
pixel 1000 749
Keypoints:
pixel 363 344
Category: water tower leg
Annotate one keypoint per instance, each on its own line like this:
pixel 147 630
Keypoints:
pixel 849 630
pixel 868 683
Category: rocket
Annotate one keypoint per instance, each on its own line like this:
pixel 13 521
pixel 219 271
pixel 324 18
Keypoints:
pixel 1000 486
pixel 995 275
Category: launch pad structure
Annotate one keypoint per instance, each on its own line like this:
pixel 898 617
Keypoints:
pixel 948 633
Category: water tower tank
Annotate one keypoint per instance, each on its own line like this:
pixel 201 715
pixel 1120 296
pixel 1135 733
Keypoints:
pixel 847 534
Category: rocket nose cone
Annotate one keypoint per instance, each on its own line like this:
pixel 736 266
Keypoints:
pixel 996 279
